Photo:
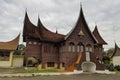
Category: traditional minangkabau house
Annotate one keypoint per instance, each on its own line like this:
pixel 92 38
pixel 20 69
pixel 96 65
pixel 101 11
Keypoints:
pixel 79 49
pixel 116 55
pixel 6 52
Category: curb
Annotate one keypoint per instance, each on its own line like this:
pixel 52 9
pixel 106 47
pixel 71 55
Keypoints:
pixel 36 74
pixel 50 74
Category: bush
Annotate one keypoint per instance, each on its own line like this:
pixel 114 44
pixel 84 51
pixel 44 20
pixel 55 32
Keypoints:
pixel 117 67
pixel 110 67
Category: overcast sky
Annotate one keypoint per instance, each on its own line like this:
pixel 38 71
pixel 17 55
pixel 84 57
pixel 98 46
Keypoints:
pixel 61 15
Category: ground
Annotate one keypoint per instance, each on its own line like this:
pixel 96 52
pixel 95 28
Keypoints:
pixel 84 76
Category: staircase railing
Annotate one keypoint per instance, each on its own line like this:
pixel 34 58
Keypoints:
pixel 71 66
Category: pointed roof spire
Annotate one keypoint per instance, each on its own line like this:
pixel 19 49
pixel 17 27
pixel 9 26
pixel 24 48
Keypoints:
pixel 39 22
pixel 28 27
pixel 81 10
pixel 56 31
pixel 81 4
pixel 81 22
pixel 47 35
pixel 116 45
pixel 98 36
pixel 26 19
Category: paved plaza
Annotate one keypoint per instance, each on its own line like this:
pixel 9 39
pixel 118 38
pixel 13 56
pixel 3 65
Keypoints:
pixel 84 76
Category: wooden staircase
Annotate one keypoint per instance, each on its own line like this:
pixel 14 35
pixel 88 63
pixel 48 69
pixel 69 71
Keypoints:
pixel 72 66
pixel 79 58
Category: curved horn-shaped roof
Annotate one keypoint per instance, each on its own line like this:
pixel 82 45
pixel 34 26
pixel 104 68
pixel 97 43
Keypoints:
pixel 98 37
pixel 39 31
pixel 48 35
pixel 10 45
pixel 81 20
pixel 29 28
pixel 116 51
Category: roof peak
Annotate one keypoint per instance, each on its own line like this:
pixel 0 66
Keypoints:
pixel 116 45
pixel 81 4
pixel 26 17
pixel 81 20
pixel 39 22
pixel 116 51
pixel 96 28
pixel 95 25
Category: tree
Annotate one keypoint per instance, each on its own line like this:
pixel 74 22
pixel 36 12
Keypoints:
pixel 20 50
pixel 110 51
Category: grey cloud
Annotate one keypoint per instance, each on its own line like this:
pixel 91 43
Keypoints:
pixel 61 15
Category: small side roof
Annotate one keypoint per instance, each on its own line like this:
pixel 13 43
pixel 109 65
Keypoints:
pixel 10 45
pixel 98 36
pixel 39 31
pixel 47 35
pixel 116 51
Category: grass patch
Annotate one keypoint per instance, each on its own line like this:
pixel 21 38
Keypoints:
pixel 37 71
pixel 117 72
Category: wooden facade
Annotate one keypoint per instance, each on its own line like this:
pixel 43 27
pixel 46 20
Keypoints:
pixel 62 51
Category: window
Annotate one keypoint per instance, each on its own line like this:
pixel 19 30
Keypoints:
pixel 89 48
pixel 87 56
pixel 62 49
pixel 71 47
pixel 50 64
pixel 47 48
pixel 34 42
pixel 39 43
pixel 80 47
pixel 100 48
pixel 4 56
pixel 30 42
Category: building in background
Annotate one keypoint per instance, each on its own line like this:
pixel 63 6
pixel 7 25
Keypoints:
pixel 116 56
pixel 7 50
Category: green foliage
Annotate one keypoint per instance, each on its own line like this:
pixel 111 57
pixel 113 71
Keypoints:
pixel 110 51
pixel 110 67
pixel 106 60
pixel 20 50
pixel 117 72
pixel 37 71
pixel 117 68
